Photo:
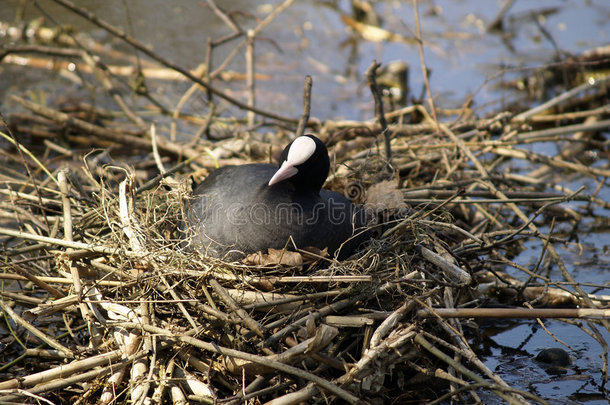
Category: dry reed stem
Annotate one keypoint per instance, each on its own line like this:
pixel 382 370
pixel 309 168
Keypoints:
pixel 332 327
pixel 515 313
pixel 149 52
pixel 226 298
pixel 33 330
pixel 76 366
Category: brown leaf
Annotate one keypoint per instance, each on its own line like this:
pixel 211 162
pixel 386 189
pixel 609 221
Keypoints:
pixel 322 338
pixel 274 257
pixel 373 33
pixel 312 254
pixel 548 297
pixel 385 196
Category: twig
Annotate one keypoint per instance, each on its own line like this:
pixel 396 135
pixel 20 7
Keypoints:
pixel 34 331
pixel 270 280
pixel 78 287
pixel 306 107
pixel 253 325
pixel 103 75
pixel 37 280
pixel 496 23
pixel 250 76
pixel 463 370
pixel 62 280
pixel 214 348
pixel 155 149
pixel 424 68
pixel 297 352
pixel 224 17
pixel 472 387
pixel 592 83
pixel 570 152
pixel 111 135
pixel 61 371
pixel 450 269
pixel 22 149
pixel 59 382
pixel 324 311
pixel 64 243
pixel 390 322
pixel 393 342
pixel 139 383
pixel 157 179
pixel 200 71
pixel 266 21
pixel 175 296
pixel 22 393
pixel 270 300
pixel 371 77
pixel 516 313
pixel 562 130
pixel 149 52
pixel 9 49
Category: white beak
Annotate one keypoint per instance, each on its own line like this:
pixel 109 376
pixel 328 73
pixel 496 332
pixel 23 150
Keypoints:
pixel 285 171
pixel 301 149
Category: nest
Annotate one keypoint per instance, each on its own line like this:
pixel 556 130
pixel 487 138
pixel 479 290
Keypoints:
pixel 100 291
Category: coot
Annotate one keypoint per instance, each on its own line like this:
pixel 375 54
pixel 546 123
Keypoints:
pixel 238 210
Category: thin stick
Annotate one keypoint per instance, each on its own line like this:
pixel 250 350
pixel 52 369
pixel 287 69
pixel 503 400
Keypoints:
pixel 420 48
pixel 266 21
pixel 371 77
pixel 34 331
pixel 253 325
pixel 280 279
pixel 520 313
pixel 64 187
pixel 62 280
pixel 103 74
pixel 306 107
pixel 64 243
pixel 59 382
pixel 155 149
pixel 463 370
pixel 22 149
pixel 559 99
pixel 562 130
pixel 149 52
pixel 223 16
pixel 448 268
pixel 179 300
pixel 111 135
pixel 61 371
pixel 215 348
pixel 250 76
pixel 37 280
pixel 496 23
pixel 157 179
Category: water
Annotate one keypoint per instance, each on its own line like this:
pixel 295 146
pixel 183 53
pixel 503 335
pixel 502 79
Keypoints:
pixel 511 350
pixel 309 38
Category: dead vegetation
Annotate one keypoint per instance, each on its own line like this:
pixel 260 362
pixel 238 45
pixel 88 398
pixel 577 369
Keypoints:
pixel 101 303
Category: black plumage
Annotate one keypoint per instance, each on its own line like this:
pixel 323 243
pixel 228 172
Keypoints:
pixel 235 211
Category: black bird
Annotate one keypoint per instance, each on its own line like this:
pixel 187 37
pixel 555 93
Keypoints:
pixel 238 210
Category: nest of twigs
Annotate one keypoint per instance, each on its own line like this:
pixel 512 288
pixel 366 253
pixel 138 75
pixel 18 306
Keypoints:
pixel 100 285
pixel 100 292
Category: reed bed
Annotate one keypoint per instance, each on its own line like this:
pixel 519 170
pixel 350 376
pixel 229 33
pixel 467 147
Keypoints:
pixel 101 301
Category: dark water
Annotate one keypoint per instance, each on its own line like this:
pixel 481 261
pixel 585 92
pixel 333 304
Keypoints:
pixel 309 38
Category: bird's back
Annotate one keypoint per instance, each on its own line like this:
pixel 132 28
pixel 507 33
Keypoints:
pixel 235 209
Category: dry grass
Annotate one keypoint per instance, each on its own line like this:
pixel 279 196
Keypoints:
pixel 101 302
